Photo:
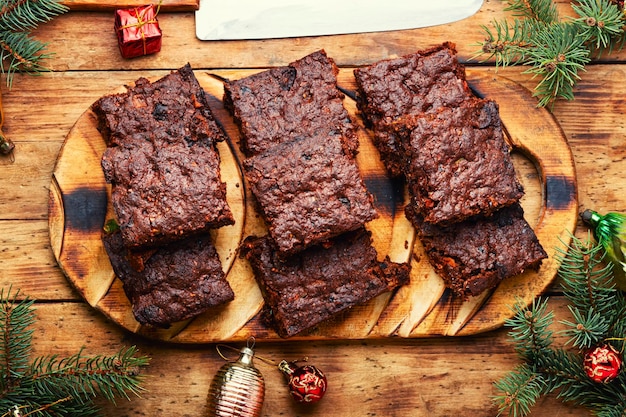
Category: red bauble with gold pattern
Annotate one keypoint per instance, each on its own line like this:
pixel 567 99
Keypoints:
pixel 602 363
pixel 307 384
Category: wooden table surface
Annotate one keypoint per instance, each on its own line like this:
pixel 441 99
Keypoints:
pixel 440 376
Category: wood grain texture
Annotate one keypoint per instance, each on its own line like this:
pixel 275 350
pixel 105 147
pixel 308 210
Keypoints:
pixel 393 377
pixel 79 204
pixel 399 377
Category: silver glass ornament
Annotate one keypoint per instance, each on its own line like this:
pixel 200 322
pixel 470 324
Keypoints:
pixel 238 389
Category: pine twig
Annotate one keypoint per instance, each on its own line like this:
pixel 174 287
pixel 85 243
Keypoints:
pixel 51 386
pixel 19 51
pixel 556 50
pixel 598 316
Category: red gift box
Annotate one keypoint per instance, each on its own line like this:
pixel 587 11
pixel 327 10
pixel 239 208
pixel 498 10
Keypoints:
pixel 138 31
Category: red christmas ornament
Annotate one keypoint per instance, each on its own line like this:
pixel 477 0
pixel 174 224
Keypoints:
pixel 602 363
pixel 307 384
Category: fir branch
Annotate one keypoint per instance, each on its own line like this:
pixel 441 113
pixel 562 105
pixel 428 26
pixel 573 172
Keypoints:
pixel 519 390
pixel 543 11
pixel 555 50
pixel 19 51
pixel 559 56
pixel 51 386
pixel 86 377
pixel 507 43
pixel 599 316
pixel 25 15
pixel 588 285
pixel 530 328
pixel 598 22
pixel 15 318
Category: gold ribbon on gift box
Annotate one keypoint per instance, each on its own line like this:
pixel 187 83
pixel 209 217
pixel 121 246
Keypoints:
pixel 141 23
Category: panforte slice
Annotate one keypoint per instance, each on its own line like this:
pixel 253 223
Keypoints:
pixel 162 160
pixel 306 289
pixel 300 144
pixel 459 164
pixel 172 283
pixel 289 102
pixel 308 191
pixel 475 255
pixel 414 84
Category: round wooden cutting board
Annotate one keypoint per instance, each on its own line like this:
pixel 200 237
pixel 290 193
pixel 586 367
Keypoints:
pixel 79 205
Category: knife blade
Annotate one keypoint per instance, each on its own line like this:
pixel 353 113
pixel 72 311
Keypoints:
pixel 258 19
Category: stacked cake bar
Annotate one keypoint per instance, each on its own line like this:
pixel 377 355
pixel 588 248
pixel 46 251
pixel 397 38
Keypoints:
pixel 163 166
pixel 300 145
pixel 449 146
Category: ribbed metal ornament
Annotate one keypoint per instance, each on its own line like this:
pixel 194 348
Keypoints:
pixel 238 389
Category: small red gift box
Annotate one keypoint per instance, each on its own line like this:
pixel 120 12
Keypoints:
pixel 138 31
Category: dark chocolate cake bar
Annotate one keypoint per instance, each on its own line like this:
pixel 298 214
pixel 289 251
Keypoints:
pixel 459 164
pixel 303 290
pixel 309 191
pixel 289 102
pixel 173 283
pixel 300 144
pixel 475 255
pixel 413 84
pixel 162 160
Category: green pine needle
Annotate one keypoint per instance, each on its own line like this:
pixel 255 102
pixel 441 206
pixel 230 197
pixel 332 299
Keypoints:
pixel 557 59
pixel 543 11
pixel 52 386
pixel 15 347
pixel 555 50
pixel 530 328
pixel 598 316
pixel 24 15
pixel 19 51
pixel 519 391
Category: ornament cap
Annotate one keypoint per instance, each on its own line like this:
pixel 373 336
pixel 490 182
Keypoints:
pixel 591 217
pixel 287 368
pixel 246 355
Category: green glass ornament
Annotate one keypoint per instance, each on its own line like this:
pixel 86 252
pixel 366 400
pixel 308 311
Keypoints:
pixel 610 232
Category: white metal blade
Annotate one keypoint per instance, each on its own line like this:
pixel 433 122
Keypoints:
pixel 265 19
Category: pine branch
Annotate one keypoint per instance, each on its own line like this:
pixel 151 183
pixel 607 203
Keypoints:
pixel 530 328
pixel 86 377
pixel 51 386
pixel 520 390
pixel 559 55
pixel 598 316
pixel 588 285
pixel 600 24
pixel 19 51
pixel 555 50
pixel 25 15
pixel 540 10
pixel 15 343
